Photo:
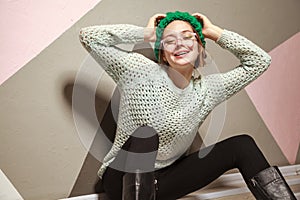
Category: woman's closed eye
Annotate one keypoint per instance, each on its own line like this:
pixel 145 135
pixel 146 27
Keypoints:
pixel 188 37
pixel 170 40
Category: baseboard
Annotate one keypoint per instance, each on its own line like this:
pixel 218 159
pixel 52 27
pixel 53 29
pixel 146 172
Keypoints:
pixel 84 197
pixel 233 181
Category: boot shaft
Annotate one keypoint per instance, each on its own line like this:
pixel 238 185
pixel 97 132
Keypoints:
pixel 270 184
pixel 139 186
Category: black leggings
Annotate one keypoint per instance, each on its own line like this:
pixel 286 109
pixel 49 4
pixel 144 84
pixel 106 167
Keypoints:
pixel 191 172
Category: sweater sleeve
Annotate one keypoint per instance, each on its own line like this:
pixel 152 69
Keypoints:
pixel 253 62
pixel 123 66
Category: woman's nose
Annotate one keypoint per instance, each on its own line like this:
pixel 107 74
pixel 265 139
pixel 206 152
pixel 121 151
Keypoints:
pixel 179 42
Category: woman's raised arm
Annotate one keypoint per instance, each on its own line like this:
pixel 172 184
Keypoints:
pixel 101 40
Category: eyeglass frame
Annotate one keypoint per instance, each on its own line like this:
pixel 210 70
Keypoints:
pixel 177 38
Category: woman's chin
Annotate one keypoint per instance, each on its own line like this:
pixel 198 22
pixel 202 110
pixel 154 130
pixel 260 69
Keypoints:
pixel 182 62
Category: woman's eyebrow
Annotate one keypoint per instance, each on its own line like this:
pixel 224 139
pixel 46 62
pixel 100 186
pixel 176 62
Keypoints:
pixel 171 34
pixel 183 31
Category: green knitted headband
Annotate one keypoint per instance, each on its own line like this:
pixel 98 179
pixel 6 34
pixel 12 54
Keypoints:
pixel 171 16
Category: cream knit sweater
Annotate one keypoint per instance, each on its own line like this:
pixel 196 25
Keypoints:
pixel 149 97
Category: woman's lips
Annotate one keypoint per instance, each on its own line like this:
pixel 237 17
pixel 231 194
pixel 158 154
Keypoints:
pixel 180 54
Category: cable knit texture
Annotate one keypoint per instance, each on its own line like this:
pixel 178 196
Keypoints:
pixel 149 97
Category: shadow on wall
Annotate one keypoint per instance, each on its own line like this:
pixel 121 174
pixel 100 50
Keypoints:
pixel 87 181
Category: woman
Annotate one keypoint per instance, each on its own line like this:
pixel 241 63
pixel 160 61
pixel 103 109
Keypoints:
pixel 162 106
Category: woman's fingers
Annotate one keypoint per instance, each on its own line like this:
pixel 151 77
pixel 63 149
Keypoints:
pixel 158 18
pixel 205 21
pixel 198 16
pixel 209 30
pixel 153 21
pixel 149 33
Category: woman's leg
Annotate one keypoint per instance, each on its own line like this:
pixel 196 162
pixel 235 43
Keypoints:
pixel 112 183
pixel 192 172
pixel 136 165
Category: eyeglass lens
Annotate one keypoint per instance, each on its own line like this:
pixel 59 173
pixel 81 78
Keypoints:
pixel 170 42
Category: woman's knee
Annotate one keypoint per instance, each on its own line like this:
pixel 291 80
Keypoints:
pixel 243 141
pixel 246 139
pixel 143 140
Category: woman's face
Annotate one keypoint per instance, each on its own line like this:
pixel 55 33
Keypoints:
pixel 180 46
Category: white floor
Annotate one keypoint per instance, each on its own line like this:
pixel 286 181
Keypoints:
pixel 226 187
pixel 7 190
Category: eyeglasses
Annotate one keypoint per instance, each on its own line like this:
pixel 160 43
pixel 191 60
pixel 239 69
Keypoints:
pixel 170 42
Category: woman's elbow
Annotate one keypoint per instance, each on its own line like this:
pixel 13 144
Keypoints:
pixel 83 40
pixel 81 35
pixel 268 60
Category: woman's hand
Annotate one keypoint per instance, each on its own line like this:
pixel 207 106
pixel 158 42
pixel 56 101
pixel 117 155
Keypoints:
pixel 209 30
pixel 150 30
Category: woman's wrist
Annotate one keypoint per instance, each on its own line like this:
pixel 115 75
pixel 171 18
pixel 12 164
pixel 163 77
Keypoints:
pixel 214 33
pixel 149 34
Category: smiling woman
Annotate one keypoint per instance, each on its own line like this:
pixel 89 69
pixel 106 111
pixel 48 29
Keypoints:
pixel 160 114
pixel 180 49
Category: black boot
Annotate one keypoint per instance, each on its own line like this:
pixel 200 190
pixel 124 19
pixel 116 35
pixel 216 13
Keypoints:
pixel 139 186
pixel 270 184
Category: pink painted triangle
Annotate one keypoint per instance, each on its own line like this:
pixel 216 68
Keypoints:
pixel 31 26
pixel 276 96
